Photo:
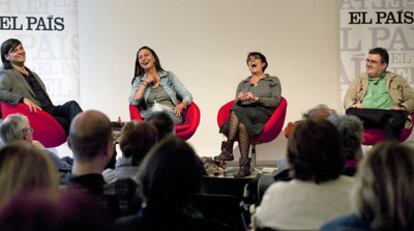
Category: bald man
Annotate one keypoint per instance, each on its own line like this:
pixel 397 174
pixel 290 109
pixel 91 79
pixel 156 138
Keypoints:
pixel 90 139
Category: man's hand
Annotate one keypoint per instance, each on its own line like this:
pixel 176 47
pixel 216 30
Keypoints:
pixel 32 106
pixel 396 107
pixel 357 105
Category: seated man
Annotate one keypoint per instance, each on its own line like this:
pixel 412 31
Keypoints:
pixel 18 84
pixel 381 99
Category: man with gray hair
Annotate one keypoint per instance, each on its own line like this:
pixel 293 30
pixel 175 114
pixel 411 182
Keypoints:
pixel 16 127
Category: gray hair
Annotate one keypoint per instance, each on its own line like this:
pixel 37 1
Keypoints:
pixel 350 127
pixel 12 128
pixel 322 111
pixel 382 191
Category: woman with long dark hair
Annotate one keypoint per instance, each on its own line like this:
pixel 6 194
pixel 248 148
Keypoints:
pixel 154 89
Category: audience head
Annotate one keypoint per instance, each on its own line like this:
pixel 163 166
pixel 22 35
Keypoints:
pixel 163 122
pixel 37 210
pixel 350 127
pixel 24 167
pixel 257 55
pixel 315 151
pixel 383 191
pixel 136 139
pixel 321 111
pixel 15 127
pixel 139 71
pixel 171 173
pixel 90 137
pixel 6 47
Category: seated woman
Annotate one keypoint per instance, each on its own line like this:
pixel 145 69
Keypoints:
pixel 257 97
pixel 154 89
pixel 135 140
pixel 383 191
pixel 317 192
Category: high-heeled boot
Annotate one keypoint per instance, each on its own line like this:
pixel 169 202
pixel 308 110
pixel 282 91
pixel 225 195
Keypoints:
pixel 244 166
pixel 226 152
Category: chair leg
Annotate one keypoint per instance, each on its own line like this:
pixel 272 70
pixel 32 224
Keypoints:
pixel 253 161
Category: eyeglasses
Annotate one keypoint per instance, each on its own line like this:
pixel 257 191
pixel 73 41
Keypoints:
pixel 252 57
pixel 371 61
pixel 28 129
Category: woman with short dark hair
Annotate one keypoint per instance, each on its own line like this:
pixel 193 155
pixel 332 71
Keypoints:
pixel 317 192
pixel 257 97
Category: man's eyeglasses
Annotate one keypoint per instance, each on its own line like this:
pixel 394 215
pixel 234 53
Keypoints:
pixel 371 61
pixel 28 129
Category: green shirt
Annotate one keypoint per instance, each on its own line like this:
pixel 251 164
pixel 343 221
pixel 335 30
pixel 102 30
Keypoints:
pixel 377 95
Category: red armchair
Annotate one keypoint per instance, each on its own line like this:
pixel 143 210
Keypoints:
pixel 271 129
pixel 45 128
pixel 376 135
pixel 184 131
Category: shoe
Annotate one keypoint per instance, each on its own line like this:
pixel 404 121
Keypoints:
pixel 224 156
pixel 244 169
pixel 243 172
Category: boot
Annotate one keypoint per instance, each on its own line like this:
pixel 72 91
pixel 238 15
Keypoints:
pixel 244 169
pixel 226 152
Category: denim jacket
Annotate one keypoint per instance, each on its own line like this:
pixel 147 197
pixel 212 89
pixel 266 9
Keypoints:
pixel 169 82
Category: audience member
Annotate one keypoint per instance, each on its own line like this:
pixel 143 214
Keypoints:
pixel 383 192
pixel 163 122
pixel 317 192
pixel 38 210
pixel 351 128
pixel 16 127
pixel 170 176
pixel 90 138
pixel 24 167
pixel 135 140
pixel 320 111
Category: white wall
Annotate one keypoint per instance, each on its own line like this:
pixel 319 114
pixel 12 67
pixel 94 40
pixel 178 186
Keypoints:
pixel 205 43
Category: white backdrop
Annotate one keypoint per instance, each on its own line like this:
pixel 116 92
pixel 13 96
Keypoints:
pixel 205 43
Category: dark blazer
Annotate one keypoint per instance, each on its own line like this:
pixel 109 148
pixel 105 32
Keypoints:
pixel 14 87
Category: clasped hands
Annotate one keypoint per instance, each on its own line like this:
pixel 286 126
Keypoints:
pixel 244 96
pixel 360 105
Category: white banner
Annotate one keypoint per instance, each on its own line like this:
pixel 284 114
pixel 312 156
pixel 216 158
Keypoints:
pixel 365 24
pixel 49 32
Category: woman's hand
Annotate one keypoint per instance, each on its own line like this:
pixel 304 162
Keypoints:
pixel 250 96
pixel 32 106
pixel 179 109
pixel 241 97
pixel 151 79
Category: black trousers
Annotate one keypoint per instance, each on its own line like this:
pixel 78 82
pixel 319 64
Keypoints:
pixel 390 121
pixel 65 113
